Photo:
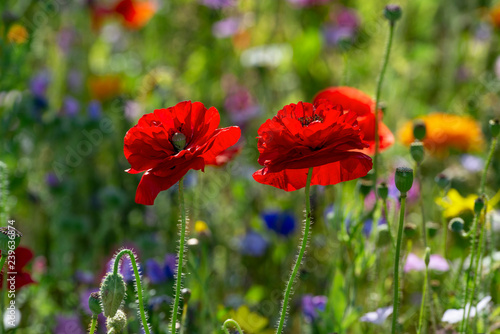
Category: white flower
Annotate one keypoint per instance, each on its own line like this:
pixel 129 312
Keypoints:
pixel 378 317
pixel 266 55
pixel 453 316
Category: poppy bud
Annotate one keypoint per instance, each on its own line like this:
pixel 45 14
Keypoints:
pixel 404 179
pixel 393 13
pixel 417 151
pixel 383 191
pixel 95 303
pixel 410 230
pixel 478 205
pixel 116 323
pixel 432 229
pixel 419 130
pixel 112 293
pixel 179 141
pixel 427 257
pixel 364 187
pixel 186 294
pixel 495 127
pixel 442 181
pixel 456 225
pixel 383 236
pixel 9 239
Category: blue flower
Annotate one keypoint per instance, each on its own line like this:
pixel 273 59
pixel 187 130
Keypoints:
pixel 253 244
pixel 311 305
pixel 280 222
pixel 94 109
pixel 161 272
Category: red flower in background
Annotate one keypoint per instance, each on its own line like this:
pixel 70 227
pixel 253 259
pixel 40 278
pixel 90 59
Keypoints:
pixel 22 255
pixel 167 143
pixel 135 13
pixel 303 135
pixel 224 157
pixel 355 100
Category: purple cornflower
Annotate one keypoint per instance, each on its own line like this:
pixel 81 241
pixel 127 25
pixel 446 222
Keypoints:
pixel 281 222
pixel 311 305
pixel 161 272
pixel 39 84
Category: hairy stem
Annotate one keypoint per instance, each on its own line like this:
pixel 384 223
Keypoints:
pixel 231 322
pixel 93 325
pixel 487 165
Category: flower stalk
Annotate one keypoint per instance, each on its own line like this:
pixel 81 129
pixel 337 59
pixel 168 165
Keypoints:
pixel 305 237
pixel 424 292
pixel 231 322
pixel 93 325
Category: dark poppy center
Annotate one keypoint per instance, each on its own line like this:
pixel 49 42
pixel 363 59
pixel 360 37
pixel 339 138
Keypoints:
pixel 305 121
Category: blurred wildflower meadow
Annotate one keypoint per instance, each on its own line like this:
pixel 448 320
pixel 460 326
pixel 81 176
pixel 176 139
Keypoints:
pixel 412 89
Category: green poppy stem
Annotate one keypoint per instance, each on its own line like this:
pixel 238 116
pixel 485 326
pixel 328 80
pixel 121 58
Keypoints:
pixel 487 165
pixel 178 283
pixel 140 301
pixel 422 305
pixel 396 263
pixel 471 264
pixel 231 322
pixel 93 325
pixel 305 237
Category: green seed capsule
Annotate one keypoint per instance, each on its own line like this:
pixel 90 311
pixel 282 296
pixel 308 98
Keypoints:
pixel 95 303
pixel 393 13
pixel 417 151
pixel 419 130
pixel 495 127
pixel 404 179
pixel 383 191
pixel 456 225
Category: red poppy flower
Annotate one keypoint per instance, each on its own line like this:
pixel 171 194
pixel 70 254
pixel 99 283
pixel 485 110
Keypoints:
pixel 303 135
pixel 135 13
pixel 21 278
pixel 167 143
pixel 355 100
pixel 224 157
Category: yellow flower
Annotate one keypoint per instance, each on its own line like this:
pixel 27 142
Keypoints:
pixel 200 226
pixel 17 34
pixel 250 322
pixel 454 204
pixel 445 131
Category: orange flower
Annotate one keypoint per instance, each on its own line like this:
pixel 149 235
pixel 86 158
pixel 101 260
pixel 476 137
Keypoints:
pixel 17 34
pixel 135 13
pixel 495 16
pixel 445 132
pixel 105 87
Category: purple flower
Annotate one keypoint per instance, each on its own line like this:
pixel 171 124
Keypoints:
pixel 344 27
pixel 160 273
pixel 68 325
pixel 226 28
pixel 281 222
pixel 52 180
pixel 71 106
pixel 308 3
pixel 378 317
pixel 241 105
pixel 39 84
pixel 94 109
pixel 472 163
pixel 253 244
pixel 132 110
pixel 218 4
pixel 436 262
pixel 66 38
pixel 311 305
pixel 84 277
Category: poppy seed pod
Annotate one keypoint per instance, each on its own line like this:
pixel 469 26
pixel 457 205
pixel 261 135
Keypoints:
pixel 417 151
pixel 383 236
pixel 456 225
pixel 410 230
pixel 419 130
pixel 383 191
pixel 95 303
pixel 393 13
pixel 404 179
pixel 364 187
pixel 478 205
pixel 9 239
pixel 432 229
pixel 112 293
pixel 442 181
pixel 116 323
pixel 179 141
pixel 427 257
pixel 495 127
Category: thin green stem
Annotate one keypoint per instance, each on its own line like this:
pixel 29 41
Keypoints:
pixel 302 250
pixel 140 301
pixel 231 322
pixel 93 325
pixel 487 165
pixel 389 227
pixel 422 305
pixel 178 283
pixel 377 99
pixel 396 263
pixel 471 264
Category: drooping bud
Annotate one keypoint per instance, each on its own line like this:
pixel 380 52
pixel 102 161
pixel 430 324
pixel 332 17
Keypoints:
pixel 419 129
pixel 179 141
pixel 383 235
pixel 112 293
pixel 404 179
pixel 95 303
pixel 383 191
pixel 417 151
pixel 116 323
pixel 410 230
pixel 442 181
pixel 495 127
pixel 427 257
pixel 9 239
pixel 478 205
pixel 393 13
pixel 456 225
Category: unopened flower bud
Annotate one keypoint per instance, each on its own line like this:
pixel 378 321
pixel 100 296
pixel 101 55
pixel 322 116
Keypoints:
pixel 404 179
pixel 186 295
pixel 442 181
pixel 427 257
pixel 478 205
pixel 9 239
pixel 393 13
pixel 495 127
pixel 364 187
pixel 383 236
pixel 383 191
pixel 410 230
pixel 432 229
pixel 417 151
pixel 179 141
pixel 116 323
pixel 95 303
pixel 112 293
pixel 456 225
pixel 419 130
